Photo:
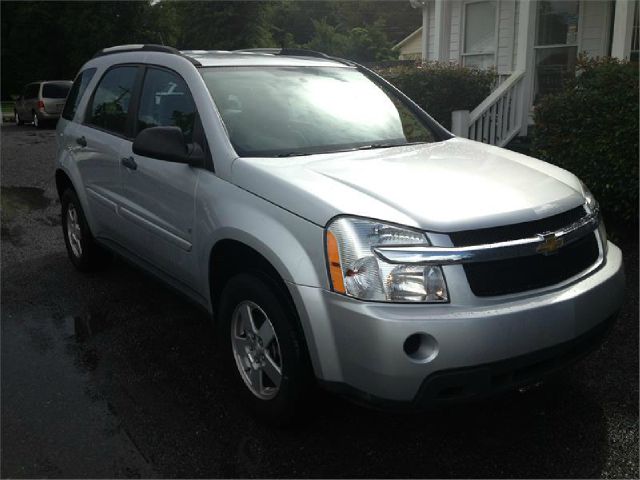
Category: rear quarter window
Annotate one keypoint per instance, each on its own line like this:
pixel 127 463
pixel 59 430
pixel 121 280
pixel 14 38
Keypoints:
pixel 55 90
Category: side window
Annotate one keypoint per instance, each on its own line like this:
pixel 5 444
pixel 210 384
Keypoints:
pixel 110 104
pixel 165 101
pixel 76 92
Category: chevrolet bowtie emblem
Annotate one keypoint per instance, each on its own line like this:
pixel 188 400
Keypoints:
pixel 550 243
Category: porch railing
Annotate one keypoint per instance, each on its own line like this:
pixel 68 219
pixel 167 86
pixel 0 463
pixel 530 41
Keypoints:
pixel 498 119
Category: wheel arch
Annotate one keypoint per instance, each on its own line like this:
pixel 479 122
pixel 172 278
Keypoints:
pixel 229 256
pixel 63 181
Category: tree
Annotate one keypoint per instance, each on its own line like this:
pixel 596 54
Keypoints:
pixel 223 25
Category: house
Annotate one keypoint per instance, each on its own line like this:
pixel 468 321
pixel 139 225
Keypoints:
pixel 532 45
pixel 410 48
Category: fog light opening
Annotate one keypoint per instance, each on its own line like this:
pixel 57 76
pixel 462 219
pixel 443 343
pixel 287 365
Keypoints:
pixel 420 347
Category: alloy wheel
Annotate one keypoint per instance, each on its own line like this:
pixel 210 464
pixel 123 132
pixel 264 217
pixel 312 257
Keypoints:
pixel 74 233
pixel 256 350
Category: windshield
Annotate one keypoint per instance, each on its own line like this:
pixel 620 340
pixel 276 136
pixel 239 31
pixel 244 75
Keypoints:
pixel 286 111
pixel 56 90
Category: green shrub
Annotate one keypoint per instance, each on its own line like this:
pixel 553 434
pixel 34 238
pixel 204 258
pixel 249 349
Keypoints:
pixel 591 129
pixel 441 88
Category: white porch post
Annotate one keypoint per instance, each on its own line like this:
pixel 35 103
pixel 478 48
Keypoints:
pixel 425 31
pixel 424 41
pixel 622 28
pixel 524 59
pixel 460 123
pixel 440 30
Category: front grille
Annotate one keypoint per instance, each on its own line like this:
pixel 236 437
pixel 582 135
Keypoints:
pixel 520 274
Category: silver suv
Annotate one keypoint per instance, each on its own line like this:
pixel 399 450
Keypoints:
pixel 336 233
pixel 41 102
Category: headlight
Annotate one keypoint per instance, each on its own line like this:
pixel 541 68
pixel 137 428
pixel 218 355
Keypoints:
pixel 592 205
pixel 589 199
pixel 356 271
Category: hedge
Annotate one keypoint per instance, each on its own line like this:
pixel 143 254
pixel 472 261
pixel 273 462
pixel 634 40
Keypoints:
pixel 441 88
pixel 591 129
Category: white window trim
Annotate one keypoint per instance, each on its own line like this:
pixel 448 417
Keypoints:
pixel 533 24
pixel 578 43
pixel 463 28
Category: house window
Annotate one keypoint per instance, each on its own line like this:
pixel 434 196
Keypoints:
pixel 556 44
pixel 479 34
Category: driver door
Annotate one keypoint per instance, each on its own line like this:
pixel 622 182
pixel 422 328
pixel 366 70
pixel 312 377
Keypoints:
pixel 159 196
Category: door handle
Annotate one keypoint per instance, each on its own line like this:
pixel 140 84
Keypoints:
pixel 129 162
pixel 81 141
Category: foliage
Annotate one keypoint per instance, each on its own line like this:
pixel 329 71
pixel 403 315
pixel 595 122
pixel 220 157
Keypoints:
pixel 591 129
pixel 293 20
pixel 223 25
pixel 441 88
pixel 52 39
pixel 362 44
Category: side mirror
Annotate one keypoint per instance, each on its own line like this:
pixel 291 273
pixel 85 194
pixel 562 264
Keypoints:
pixel 168 143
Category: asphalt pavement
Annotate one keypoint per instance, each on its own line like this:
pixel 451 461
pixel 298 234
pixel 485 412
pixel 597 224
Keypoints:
pixel 114 375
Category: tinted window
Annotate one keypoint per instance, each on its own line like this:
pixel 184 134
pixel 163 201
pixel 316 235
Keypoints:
pixel 32 90
pixel 55 90
pixel 280 111
pixel 77 90
pixel 110 104
pixel 166 102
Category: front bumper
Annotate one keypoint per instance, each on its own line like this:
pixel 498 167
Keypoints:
pixel 359 345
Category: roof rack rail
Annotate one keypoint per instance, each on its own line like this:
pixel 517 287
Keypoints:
pixel 295 52
pixel 148 47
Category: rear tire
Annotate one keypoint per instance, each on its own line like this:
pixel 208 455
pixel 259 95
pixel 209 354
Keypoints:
pixel 85 254
pixel 261 342
pixel 37 122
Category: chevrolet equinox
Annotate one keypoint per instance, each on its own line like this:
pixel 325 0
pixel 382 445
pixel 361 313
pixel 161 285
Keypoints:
pixel 334 231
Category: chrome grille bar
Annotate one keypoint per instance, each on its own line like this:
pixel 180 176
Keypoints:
pixel 543 243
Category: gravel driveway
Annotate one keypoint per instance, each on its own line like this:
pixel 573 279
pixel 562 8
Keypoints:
pixel 113 375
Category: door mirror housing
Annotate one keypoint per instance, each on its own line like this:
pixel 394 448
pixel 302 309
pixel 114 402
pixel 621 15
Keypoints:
pixel 169 144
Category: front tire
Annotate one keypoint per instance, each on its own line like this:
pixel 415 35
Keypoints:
pixel 263 348
pixel 85 254
pixel 16 118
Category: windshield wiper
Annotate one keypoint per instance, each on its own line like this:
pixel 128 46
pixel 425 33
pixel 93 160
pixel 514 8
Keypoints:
pixel 371 146
pixel 292 154
pixel 385 145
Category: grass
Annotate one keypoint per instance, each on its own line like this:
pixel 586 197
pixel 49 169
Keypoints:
pixel 7 108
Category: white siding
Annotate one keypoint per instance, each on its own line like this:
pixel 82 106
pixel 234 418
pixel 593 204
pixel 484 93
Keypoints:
pixel 455 35
pixel 506 36
pixel 432 25
pixel 594 34
pixel 595 17
pixel 516 21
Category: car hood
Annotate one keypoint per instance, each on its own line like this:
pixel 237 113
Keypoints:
pixel 446 186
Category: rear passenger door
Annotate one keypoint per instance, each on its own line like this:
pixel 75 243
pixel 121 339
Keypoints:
pixel 97 144
pixel 159 196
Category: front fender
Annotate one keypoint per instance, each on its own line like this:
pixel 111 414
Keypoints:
pixel 293 245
